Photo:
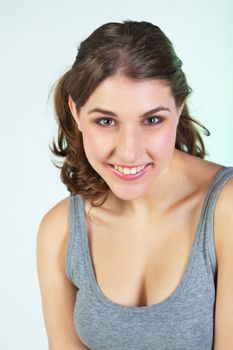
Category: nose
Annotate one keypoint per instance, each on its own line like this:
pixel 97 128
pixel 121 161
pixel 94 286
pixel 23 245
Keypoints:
pixel 129 146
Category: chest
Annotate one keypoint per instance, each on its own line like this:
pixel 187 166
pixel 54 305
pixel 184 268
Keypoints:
pixel 141 262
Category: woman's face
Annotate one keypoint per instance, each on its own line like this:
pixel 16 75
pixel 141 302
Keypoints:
pixel 129 132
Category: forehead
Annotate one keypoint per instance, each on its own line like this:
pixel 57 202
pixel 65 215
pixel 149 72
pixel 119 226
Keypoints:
pixel 120 88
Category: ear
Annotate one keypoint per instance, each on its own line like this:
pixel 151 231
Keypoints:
pixel 74 112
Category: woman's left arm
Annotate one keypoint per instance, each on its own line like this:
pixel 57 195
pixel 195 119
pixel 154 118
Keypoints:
pixel 223 227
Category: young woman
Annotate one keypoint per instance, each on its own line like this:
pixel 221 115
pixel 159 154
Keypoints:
pixel 139 255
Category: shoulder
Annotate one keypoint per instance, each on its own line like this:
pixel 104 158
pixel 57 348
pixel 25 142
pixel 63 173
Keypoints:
pixel 52 243
pixel 57 215
pixel 54 226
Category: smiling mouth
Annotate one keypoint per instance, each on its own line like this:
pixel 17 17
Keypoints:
pixel 133 170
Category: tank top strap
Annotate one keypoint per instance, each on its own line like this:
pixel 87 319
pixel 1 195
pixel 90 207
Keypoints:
pixel 75 258
pixel 221 178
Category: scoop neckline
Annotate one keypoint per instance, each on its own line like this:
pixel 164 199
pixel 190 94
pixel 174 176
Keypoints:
pixel 186 274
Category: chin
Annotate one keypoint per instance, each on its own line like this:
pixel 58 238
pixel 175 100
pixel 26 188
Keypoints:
pixel 129 194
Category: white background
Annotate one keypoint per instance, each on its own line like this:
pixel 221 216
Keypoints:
pixel 38 43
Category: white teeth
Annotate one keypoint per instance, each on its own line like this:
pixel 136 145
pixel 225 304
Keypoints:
pixel 128 171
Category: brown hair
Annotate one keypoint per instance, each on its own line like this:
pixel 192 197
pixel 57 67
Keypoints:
pixel 137 50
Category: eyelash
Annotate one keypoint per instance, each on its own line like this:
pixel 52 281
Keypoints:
pixel 98 121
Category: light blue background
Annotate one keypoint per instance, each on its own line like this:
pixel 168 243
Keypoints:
pixel 38 43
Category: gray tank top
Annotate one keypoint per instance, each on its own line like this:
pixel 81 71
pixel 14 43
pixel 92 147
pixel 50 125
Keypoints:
pixel 183 321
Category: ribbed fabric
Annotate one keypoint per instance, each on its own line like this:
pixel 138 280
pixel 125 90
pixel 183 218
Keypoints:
pixel 183 321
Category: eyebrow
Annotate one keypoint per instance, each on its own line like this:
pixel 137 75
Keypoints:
pixel 146 114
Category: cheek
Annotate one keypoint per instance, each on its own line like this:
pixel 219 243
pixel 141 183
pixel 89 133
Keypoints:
pixel 163 143
pixel 94 145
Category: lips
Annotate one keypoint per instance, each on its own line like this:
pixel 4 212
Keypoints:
pixel 129 173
